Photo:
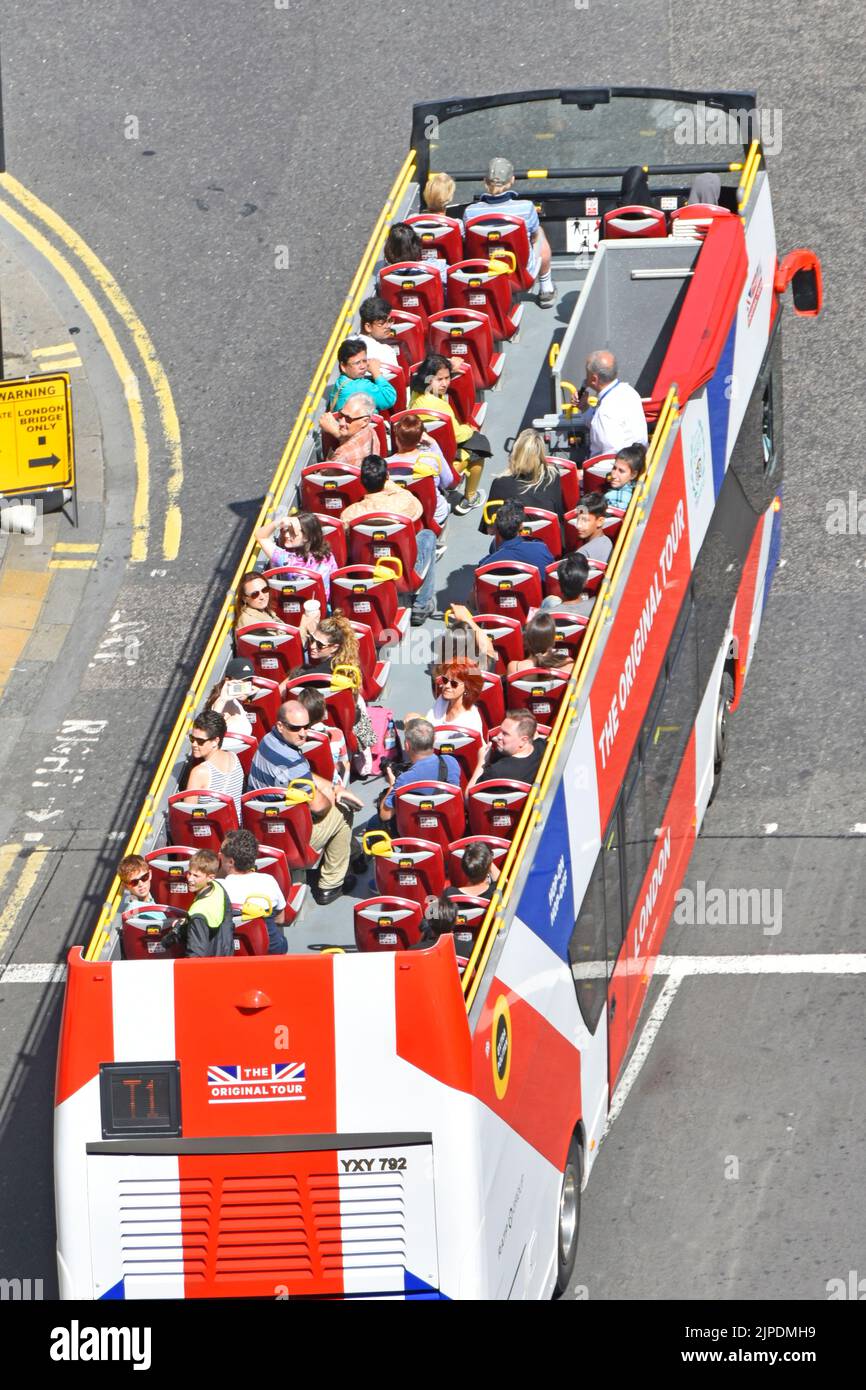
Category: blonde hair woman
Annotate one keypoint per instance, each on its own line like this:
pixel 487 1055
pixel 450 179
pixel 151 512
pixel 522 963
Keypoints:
pixel 529 478
pixel 439 193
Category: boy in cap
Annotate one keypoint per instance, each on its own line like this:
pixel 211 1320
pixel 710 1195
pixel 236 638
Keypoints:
pixel 500 196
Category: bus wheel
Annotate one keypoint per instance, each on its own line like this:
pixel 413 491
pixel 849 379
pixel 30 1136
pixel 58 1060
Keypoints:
pixel 720 731
pixel 569 1218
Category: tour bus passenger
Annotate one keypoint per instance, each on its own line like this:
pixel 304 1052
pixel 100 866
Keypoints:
pixel 429 391
pixel 590 519
pixel 314 703
pixel 634 188
pixel 625 471
pixel 353 429
pixel 707 188
pixel 404 244
pixel 358 373
pixel 383 494
pixel 252 602
pixel 256 894
pixel 439 193
pixel 425 764
pixel 572 573
pixel 207 929
pixel 216 770
pixel 529 478
pixel 479 870
pixel 458 685
pixel 278 762
pixel 617 418
pixel 413 446
pixel 499 196
pixel 440 917
pixel 463 639
pixel 297 542
pixel 540 649
pixel 508 544
pixel 135 876
pixel 377 333
pixel 330 644
pixel 226 696
pixel 515 751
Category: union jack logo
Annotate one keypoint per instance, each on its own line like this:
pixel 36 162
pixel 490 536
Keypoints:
pixel 218 1076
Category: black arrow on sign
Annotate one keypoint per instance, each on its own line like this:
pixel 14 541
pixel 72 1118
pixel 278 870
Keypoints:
pixel 50 462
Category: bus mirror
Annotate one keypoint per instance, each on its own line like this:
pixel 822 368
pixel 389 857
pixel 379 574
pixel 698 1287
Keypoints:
pixel 801 269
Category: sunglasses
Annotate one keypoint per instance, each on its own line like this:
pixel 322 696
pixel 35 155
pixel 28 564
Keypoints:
pixel 449 680
pixel 348 419
pixel 320 642
pixel 194 739
pixel 256 593
pixel 295 728
pixel 134 882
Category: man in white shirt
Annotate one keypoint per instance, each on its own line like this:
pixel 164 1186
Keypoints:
pixel 238 853
pixel 375 316
pixel 618 419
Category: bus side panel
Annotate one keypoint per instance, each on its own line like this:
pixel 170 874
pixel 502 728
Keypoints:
pixel 755 307
pixel 76 1119
pixel 748 597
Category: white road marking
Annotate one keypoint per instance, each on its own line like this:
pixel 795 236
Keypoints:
pixel 32 974
pixel 35 835
pixel 771 827
pixel 859 828
pixel 641 1052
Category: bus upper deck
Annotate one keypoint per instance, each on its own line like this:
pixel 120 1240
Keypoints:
pixel 589 852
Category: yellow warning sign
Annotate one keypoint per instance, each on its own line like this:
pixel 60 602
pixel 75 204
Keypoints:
pixel 36 449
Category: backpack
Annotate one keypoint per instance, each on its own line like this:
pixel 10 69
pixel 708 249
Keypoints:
pixel 386 743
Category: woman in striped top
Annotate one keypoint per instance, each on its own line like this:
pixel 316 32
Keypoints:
pixel 216 770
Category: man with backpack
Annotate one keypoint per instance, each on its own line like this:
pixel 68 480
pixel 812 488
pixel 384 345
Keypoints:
pixel 425 765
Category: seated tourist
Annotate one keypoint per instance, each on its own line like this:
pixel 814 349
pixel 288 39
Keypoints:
pixel 572 573
pixel 429 391
pixel 458 685
pixel 252 602
pixel 357 373
pixel 424 764
pixel 215 770
pixel 509 545
pixel 256 894
pixel 540 649
pixel 590 519
pixel 404 244
pixel 624 473
pixel 376 331
pixel 414 447
pixel 353 429
pixel 529 478
pixel 383 494
pixel 499 196
pixel 515 751
pixel 135 877
pixel 207 929
pixel 439 193
pixel 227 695
pixel 464 640
pixel 297 542
pixel 480 871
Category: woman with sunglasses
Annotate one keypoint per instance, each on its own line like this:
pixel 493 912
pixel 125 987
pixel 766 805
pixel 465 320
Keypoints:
pixel 252 602
pixel 216 769
pixel 458 685
pixel 297 542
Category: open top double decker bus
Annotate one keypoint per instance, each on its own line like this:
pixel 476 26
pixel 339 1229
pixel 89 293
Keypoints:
pixel 357 1119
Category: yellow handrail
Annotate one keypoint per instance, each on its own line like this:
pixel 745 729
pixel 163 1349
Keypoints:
pixel 300 429
pixel 492 923
pixel 749 174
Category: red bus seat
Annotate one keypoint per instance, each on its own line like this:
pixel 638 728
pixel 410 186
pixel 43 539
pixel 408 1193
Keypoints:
pixel 380 534
pixel 471 912
pixel 316 748
pixel 374 673
pixel 541 525
pixel 461 397
pixel 339 703
pixel 441 236
pixel 593 583
pixel 387 924
pixel 413 287
pixel 142 929
pixel 477 285
pixel 273 654
pixel 569 481
pixel 250 937
pixel 506 634
pixel 331 487
pixel 262 705
pixel 430 811
pixel 168 883
pixel 595 472
pixel 537 689
pixel 491 701
pixel 509 589
pixel 501 234
pixel 422 486
pixel 454 862
pixel 201 819
pixel 368 595
pixel 694 219
pixel 398 377
pixel 570 628
pixel 243 746
pixel 332 530
pixel 409 337
pixel 271 859
pixel 408 867
pixel 464 746
pixel 291 589
pixel 466 334
pixel 273 816
pixel 495 807
pixel 635 220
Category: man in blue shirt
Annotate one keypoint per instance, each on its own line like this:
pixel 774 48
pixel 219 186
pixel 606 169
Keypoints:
pixel 426 765
pixel 360 373
pixel 499 196
pixel 508 544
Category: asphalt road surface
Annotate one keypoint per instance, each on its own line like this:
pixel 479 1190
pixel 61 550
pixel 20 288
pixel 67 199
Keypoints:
pixel 226 162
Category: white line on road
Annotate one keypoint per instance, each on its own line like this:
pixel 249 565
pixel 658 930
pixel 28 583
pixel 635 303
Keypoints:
pixel 644 1043
pixel 32 974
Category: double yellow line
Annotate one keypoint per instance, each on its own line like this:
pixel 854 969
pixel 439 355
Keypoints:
pixel 16 899
pixel 115 296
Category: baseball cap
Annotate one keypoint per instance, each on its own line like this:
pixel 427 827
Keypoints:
pixel 500 170
pixel 239 669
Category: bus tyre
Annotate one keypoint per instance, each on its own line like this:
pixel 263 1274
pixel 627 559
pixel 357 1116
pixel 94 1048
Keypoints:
pixel 568 1221
pixel 720 730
